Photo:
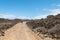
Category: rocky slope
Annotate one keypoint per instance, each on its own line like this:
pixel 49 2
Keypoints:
pixel 50 26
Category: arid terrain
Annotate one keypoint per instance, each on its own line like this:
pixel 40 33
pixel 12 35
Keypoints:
pixel 49 27
pixel 39 29
pixel 21 32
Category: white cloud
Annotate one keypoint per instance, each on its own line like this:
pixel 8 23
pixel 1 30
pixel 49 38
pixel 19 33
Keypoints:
pixel 54 11
pixel 40 16
pixel 22 17
pixel 7 16
pixel 11 16
pixel 51 12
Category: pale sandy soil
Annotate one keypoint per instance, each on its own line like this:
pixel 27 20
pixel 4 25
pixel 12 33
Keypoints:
pixel 21 32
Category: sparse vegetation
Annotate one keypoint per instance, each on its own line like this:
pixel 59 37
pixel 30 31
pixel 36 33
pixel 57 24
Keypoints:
pixel 49 26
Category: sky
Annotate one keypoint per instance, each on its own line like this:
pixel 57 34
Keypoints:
pixel 28 9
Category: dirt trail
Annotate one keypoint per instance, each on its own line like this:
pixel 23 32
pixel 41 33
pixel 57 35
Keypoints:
pixel 20 32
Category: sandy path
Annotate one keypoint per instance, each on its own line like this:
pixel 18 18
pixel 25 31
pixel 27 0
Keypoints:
pixel 20 32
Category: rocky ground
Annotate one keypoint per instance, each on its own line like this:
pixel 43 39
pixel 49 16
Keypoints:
pixel 22 32
pixel 49 27
pixel 6 24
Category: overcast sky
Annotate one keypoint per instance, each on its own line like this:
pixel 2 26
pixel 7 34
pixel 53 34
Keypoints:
pixel 28 9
